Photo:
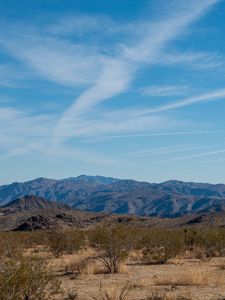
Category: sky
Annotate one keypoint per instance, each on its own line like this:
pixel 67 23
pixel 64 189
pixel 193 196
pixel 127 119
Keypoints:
pixel 128 89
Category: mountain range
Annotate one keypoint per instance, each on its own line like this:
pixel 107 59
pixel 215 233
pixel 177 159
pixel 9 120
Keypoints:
pixel 110 195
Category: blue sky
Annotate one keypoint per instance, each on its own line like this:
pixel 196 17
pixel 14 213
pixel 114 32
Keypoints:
pixel 130 89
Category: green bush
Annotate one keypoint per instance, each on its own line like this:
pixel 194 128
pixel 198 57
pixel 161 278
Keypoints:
pixel 26 278
pixel 65 242
pixel 160 245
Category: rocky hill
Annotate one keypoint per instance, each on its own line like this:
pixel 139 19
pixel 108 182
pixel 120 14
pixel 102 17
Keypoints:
pixel 34 213
pixel 32 203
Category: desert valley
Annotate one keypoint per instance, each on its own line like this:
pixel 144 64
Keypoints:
pixel 52 250
pixel 112 150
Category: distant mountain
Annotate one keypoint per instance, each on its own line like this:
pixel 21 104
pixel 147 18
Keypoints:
pixel 109 195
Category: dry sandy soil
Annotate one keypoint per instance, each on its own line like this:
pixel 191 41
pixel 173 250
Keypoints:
pixel 179 279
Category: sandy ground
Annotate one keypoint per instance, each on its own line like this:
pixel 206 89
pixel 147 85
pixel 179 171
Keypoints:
pixel 180 279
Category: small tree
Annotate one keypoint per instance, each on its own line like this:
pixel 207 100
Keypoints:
pixel 114 244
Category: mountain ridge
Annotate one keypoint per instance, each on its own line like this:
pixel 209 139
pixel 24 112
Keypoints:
pixel 171 198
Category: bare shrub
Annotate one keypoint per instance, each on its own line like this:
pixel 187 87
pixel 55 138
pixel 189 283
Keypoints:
pixel 114 293
pixel 113 244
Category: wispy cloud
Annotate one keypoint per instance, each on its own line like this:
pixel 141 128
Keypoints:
pixel 213 161
pixel 87 25
pixel 156 35
pixel 216 95
pixel 21 130
pixel 56 60
pixel 96 138
pixel 206 97
pixel 165 150
pixel 22 133
pixel 187 157
pixel 169 90
pixel 195 60
pixel 118 72
pixel 100 71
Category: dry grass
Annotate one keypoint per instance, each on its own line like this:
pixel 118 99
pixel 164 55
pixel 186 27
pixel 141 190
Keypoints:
pixel 162 294
pixel 85 266
pixel 157 294
pixel 184 278
pixel 113 293
pixel 71 294
pixel 186 268
pixel 89 266
pixel 122 269
pixel 221 266
pixel 175 261
pixel 135 257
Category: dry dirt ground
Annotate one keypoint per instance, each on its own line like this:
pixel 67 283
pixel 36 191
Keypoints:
pixel 179 279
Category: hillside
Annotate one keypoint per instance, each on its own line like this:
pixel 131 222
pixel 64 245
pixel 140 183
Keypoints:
pixel 32 203
pixel 110 195
pixel 34 213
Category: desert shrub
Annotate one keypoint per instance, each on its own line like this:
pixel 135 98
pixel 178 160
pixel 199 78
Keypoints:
pixel 114 293
pixel 160 245
pixel 12 243
pixel 65 242
pixel 26 278
pixel 214 242
pixel 191 238
pixel 113 244
pixel 205 243
pixel 156 255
